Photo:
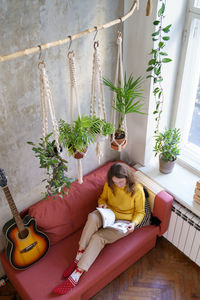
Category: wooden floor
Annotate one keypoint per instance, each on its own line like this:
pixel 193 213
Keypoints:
pixel 163 274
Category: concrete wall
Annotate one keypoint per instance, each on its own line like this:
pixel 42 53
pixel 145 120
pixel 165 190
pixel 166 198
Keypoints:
pixel 25 24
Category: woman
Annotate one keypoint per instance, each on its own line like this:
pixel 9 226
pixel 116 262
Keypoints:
pixel 127 200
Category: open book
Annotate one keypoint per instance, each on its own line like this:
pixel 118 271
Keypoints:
pixel 108 218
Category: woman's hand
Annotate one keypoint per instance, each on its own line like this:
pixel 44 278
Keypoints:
pixel 102 206
pixel 131 227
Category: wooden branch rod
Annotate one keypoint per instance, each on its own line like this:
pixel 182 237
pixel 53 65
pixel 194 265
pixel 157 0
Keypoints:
pixel 69 38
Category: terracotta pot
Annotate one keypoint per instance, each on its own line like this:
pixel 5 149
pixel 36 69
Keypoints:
pixel 79 155
pixel 119 141
pixel 166 167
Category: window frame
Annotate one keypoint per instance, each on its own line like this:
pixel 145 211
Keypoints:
pixel 189 154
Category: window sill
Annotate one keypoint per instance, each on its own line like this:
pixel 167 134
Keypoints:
pixel 180 183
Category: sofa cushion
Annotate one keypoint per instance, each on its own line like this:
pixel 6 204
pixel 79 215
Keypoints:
pixel 61 217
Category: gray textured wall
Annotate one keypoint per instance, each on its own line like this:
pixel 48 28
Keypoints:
pixel 25 24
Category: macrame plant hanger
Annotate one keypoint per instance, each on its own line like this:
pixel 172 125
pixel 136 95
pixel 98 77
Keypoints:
pixel 119 77
pixel 97 103
pixel 74 98
pixel 47 102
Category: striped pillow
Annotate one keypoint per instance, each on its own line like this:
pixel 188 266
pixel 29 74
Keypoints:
pixel 147 218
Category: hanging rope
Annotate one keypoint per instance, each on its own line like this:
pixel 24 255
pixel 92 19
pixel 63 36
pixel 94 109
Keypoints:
pixel 47 102
pixel 97 103
pixel 74 98
pixel 119 76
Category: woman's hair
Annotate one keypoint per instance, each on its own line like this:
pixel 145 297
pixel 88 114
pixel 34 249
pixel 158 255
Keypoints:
pixel 121 171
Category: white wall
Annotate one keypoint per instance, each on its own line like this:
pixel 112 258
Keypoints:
pixel 137 44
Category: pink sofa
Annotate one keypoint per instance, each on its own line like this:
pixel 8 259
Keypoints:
pixel 62 220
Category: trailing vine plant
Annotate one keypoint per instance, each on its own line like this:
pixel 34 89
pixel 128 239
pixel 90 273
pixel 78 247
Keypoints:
pixel 55 166
pixel 159 56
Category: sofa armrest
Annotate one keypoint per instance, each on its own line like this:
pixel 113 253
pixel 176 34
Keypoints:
pixel 162 210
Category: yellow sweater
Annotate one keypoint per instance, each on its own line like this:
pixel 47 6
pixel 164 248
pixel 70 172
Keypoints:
pixel 125 206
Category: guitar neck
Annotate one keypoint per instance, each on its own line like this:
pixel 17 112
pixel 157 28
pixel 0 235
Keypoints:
pixel 14 210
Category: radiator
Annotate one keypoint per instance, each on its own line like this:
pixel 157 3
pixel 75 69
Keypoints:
pixel 184 232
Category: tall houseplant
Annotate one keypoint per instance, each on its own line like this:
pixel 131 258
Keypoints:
pixel 54 164
pixel 129 99
pixel 167 145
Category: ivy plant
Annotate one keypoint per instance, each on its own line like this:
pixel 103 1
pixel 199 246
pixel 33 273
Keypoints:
pixel 159 57
pixel 54 164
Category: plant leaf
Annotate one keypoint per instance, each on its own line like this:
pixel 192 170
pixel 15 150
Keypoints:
pixel 156 33
pixel 167 28
pixel 166 38
pixel 161 10
pixel 166 60
pixel 156 22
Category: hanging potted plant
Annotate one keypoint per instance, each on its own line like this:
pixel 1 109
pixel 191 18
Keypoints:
pixel 84 131
pixel 54 164
pixel 128 100
pixel 167 145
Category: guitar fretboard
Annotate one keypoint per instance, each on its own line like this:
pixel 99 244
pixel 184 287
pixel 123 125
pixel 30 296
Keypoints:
pixel 13 208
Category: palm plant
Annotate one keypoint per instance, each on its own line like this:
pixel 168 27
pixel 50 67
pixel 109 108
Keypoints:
pixel 128 98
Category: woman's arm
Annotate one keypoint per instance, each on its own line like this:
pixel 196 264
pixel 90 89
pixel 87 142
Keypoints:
pixel 102 201
pixel 139 199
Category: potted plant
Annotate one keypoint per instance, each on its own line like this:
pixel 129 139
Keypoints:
pixel 128 100
pixel 84 131
pixel 167 145
pixel 54 164
pixel 102 128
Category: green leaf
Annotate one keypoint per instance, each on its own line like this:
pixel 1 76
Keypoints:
pixel 149 69
pixel 152 62
pixel 54 161
pixel 166 38
pixel 149 76
pixel 159 95
pixel 161 44
pixel 163 53
pixel 166 60
pixel 167 28
pixel 156 33
pixel 154 40
pixel 156 22
pixel 161 10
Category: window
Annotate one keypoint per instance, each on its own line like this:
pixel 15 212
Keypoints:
pixel 188 88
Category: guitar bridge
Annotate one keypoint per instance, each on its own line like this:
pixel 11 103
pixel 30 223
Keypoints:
pixel 28 248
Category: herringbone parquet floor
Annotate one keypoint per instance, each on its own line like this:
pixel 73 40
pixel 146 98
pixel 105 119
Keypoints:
pixel 163 274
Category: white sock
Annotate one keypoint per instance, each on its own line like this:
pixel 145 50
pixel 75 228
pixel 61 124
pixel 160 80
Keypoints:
pixel 76 275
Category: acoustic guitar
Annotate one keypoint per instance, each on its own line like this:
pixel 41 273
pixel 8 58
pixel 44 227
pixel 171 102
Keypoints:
pixel 25 243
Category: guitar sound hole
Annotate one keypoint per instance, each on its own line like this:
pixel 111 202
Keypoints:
pixel 23 234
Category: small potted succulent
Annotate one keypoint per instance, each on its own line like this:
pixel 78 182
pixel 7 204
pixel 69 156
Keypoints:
pixel 84 131
pixel 167 145
pixel 55 166
pixel 129 99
